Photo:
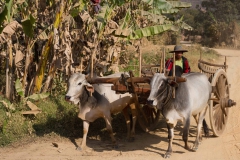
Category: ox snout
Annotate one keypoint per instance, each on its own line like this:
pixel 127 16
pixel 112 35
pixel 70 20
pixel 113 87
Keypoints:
pixel 67 98
pixel 150 102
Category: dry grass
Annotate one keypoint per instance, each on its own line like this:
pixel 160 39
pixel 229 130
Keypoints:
pixel 151 54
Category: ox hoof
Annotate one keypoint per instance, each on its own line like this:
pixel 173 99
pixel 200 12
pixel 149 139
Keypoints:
pixel 195 148
pixel 187 148
pixel 79 149
pixel 167 155
pixel 131 139
pixel 115 146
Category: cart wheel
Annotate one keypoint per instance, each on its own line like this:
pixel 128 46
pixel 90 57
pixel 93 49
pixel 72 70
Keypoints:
pixel 148 118
pixel 219 111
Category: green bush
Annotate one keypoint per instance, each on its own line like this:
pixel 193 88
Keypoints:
pixel 57 116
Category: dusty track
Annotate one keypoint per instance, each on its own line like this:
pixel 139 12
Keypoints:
pixel 147 145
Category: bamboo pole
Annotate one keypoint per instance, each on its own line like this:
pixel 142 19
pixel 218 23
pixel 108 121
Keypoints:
pixel 174 73
pixel 161 63
pixel 140 62
pixel 225 63
pixel 7 78
pixel 164 54
pixel 92 65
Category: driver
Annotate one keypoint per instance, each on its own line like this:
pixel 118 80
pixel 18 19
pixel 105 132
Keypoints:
pixel 181 62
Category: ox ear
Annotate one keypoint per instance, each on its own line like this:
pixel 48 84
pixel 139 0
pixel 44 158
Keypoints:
pixel 172 83
pixel 90 89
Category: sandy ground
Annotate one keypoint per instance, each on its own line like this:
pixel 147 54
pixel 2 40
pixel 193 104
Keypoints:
pixel 146 145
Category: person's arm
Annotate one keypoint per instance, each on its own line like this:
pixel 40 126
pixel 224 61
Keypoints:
pixel 168 66
pixel 187 68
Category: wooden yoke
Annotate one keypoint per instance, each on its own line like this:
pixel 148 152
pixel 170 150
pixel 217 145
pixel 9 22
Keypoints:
pixel 164 56
pixel 177 79
pixel 123 85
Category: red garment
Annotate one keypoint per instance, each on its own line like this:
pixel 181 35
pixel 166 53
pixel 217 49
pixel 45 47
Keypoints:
pixel 186 67
pixel 95 1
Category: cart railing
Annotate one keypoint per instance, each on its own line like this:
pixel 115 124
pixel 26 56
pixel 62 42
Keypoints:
pixel 209 69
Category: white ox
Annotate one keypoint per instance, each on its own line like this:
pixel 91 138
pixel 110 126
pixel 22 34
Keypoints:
pixel 98 100
pixel 191 98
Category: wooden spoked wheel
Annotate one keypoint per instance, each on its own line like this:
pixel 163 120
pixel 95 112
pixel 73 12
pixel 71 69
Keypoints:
pixel 219 110
pixel 148 118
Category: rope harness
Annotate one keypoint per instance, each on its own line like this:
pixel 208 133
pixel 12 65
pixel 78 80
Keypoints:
pixel 169 95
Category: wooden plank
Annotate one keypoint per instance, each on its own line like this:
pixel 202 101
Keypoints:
pixel 115 80
pixel 138 90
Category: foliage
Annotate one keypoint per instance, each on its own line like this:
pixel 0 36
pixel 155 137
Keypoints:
pixel 217 7
pixel 215 22
pixel 45 37
pixel 20 91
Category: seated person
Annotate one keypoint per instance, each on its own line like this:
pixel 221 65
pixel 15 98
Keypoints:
pixel 181 62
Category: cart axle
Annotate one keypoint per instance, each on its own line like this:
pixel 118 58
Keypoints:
pixel 225 102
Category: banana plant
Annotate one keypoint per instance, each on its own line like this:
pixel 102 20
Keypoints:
pixel 26 99
pixel 126 15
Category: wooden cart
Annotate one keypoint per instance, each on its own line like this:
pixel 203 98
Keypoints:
pixel 220 101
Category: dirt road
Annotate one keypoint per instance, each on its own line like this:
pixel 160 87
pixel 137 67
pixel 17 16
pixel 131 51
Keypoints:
pixel 151 145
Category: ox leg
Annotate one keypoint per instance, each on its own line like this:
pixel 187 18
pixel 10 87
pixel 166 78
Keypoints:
pixel 127 119
pixel 108 120
pixel 130 132
pixel 205 128
pixel 170 138
pixel 134 120
pixel 196 117
pixel 85 132
pixel 186 132
pixel 199 127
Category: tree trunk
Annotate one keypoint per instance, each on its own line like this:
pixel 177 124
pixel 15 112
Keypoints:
pixel 27 63
pixel 9 80
pixel 46 52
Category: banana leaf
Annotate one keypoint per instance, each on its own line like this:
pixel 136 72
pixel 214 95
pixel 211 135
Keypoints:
pixel 149 31
pixel 9 4
pixel 177 4
pixel 19 88
pixel 153 16
pixel 3 15
pixel 28 26
pixel 38 96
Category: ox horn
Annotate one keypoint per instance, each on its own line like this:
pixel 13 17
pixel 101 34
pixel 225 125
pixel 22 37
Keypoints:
pixel 177 79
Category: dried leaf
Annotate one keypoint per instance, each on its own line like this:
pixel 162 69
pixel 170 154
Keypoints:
pixel 9 30
pixel 18 58
pixel 10 107
pixel 32 106
pixel 31 112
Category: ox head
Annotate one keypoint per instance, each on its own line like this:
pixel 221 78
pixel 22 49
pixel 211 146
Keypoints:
pixel 76 86
pixel 160 85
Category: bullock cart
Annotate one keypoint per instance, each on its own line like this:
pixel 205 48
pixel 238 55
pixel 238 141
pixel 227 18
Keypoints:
pixel 148 118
